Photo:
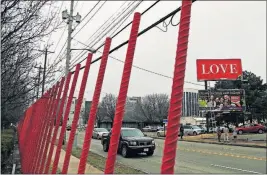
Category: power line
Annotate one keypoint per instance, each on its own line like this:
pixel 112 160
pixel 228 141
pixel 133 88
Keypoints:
pixel 124 18
pixel 139 34
pixel 98 31
pixel 87 15
pixel 146 70
pixel 90 19
pixel 126 26
pixel 103 34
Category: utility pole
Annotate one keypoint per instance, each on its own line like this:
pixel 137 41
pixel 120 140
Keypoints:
pixel 43 84
pixel 69 18
pixel 38 83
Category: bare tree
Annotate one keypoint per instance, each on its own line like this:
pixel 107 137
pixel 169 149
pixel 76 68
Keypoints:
pixel 107 107
pixel 153 108
pixel 23 28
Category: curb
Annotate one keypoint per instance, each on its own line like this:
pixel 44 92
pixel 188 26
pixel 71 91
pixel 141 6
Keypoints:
pixel 242 145
pixel 123 164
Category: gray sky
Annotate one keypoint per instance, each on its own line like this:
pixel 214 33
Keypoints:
pixel 217 30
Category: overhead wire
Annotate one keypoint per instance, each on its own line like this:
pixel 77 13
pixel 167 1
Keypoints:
pixel 58 56
pixel 111 28
pixel 99 30
pixel 146 70
pixel 145 11
pixel 122 20
pixel 90 19
pixel 139 34
pixel 87 15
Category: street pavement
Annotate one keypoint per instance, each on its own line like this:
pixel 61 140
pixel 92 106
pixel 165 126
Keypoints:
pixel 196 158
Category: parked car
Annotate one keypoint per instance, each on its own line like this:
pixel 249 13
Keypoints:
pixel 160 128
pixel 149 129
pixel 203 129
pixel 250 128
pixel 98 132
pixel 132 141
pixel 192 130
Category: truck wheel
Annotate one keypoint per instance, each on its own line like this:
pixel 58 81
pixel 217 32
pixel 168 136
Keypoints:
pixel 105 147
pixel 260 131
pixel 150 153
pixel 158 134
pixel 124 151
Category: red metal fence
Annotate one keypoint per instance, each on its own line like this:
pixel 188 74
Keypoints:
pixel 37 132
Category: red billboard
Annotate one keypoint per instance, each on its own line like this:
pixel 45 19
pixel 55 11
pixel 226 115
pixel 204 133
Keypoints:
pixel 218 69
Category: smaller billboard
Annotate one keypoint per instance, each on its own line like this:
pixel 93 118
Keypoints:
pixel 222 100
pixel 218 69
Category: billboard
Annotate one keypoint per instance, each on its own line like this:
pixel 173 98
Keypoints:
pixel 222 100
pixel 218 69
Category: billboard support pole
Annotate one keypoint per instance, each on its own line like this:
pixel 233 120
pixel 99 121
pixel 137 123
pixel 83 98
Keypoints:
pixel 207 115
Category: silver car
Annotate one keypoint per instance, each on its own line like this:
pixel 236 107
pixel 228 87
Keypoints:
pixel 192 130
pixel 98 132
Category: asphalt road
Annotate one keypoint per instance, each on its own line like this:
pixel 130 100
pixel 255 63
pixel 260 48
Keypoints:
pixel 196 158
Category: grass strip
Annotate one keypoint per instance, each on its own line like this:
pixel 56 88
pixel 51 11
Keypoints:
pixel 99 162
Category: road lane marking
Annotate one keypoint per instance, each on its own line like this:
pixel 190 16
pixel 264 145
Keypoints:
pixel 221 154
pixel 231 168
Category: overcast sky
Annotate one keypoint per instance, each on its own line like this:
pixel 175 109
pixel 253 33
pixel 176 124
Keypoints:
pixel 217 30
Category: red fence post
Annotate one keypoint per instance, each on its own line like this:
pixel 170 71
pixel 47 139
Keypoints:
pixel 32 136
pixel 43 154
pixel 93 110
pixel 59 116
pixel 37 125
pixel 44 128
pixel 116 129
pixel 65 119
pixel 175 110
pixel 76 115
pixel 40 128
pixel 51 124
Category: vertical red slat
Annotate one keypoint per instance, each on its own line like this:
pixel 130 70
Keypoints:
pixel 35 118
pixel 76 115
pixel 51 124
pixel 93 110
pixel 44 129
pixel 41 131
pixel 25 143
pixel 40 125
pixel 59 116
pixel 41 106
pixel 175 110
pixel 47 128
pixel 65 119
pixel 28 136
pixel 116 129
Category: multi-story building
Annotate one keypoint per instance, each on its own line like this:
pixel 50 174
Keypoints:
pixel 190 103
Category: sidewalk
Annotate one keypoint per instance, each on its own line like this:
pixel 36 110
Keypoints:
pixel 212 139
pixel 74 163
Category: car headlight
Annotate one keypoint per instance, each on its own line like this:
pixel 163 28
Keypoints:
pixel 133 143
pixel 153 142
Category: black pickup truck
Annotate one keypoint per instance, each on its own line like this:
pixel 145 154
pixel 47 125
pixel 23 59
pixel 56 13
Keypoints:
pixel 132 141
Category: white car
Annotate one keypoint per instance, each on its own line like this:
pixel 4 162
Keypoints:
pixel 98 132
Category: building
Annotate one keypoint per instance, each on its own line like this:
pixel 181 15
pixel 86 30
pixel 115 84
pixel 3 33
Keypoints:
pixel 193 121
pixel 72 111
pixel 190 103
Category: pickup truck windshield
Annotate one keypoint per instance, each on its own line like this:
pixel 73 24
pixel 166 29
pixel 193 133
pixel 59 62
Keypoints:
pixel 132 133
